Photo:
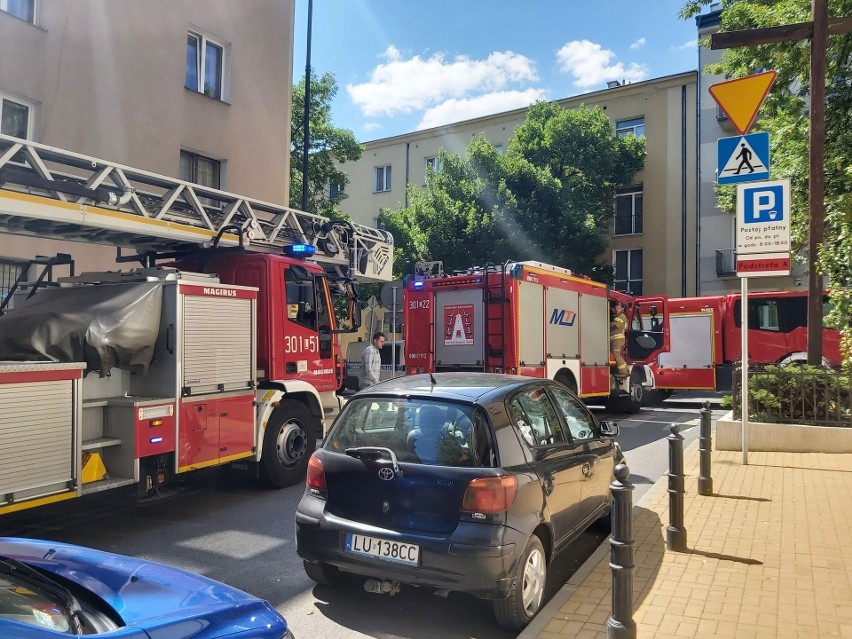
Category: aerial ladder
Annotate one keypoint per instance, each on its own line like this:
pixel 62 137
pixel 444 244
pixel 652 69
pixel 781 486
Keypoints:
pixel 219 347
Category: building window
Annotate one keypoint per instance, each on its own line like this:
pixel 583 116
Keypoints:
pixel 636 127
pixel 628 271
pixel 499 148
pixel 204 65
pixel 23 9
pixel 434 163
pixel 628 211
pixel 200 170
pixel 335 190
pixel 383 179
pixel 15 118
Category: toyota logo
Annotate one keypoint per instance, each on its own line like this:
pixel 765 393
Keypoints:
pixel 386 473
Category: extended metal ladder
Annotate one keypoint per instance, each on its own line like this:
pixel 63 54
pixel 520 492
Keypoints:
pixel 53 193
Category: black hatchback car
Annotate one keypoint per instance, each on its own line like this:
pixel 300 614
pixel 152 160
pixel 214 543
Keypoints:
pixel 459 481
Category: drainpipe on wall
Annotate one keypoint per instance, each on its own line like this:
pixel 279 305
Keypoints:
pixel 407 168
pixel 683 191
pixel 698 183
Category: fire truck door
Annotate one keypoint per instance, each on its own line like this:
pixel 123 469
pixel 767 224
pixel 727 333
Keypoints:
pixel 648 329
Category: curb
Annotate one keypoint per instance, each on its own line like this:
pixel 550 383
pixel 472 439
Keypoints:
pixel 546 614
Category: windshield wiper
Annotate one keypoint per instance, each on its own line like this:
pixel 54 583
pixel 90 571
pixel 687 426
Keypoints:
pixel 376 451
pixel 19 570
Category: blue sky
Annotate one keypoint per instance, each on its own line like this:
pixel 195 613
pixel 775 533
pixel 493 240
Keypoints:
pixel 402 65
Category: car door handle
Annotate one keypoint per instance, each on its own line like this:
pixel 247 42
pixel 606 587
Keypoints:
pixel 587 470
pixel 548 485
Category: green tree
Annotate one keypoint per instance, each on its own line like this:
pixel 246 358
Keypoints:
pixel 329 148
pixel 785 116
pixel 549 198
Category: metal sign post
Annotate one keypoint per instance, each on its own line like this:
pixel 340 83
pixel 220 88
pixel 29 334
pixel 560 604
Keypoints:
pixel 393 330
pixel 744 363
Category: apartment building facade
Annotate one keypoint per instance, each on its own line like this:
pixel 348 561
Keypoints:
pixel 717 230
pixel 198 90
pixel 654 231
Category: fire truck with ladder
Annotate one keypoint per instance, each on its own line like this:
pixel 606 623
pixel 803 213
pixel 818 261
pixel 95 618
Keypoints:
pixel 705 338
pixel 529 318
pixel 219 347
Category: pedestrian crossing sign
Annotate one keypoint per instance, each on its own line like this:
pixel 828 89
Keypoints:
pixel 743 158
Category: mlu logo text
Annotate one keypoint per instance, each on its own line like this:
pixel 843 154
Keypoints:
pixel 563 317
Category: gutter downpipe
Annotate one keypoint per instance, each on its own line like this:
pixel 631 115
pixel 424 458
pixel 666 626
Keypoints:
pixel 683 191
pixel 407 168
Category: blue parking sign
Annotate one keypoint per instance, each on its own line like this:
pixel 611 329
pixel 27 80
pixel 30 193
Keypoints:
pixel 763 217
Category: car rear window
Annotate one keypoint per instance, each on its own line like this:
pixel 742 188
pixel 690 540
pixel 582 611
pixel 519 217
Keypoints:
pixel 420 431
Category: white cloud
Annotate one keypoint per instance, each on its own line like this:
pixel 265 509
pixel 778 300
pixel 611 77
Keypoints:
pixel 371 126
pixel 458 109
pixel 638 44
pixel 688 45
pixel 401 85
pixel 591 64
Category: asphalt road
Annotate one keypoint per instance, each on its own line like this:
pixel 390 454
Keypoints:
pixel 227 528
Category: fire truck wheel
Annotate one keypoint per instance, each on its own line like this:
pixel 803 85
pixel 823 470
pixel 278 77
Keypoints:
pixel 637 391
pixel 567 380
pixel 287 444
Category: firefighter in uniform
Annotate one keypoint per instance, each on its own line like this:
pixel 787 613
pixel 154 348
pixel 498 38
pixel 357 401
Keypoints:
pixel 617 336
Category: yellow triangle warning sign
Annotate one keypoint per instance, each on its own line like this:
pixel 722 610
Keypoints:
pixel 740 99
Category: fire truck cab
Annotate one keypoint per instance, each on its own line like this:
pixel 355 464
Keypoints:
pixel 705 338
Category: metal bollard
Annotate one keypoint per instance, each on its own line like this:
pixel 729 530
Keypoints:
pixel 620 624
pixel 675 532
pixel 705 446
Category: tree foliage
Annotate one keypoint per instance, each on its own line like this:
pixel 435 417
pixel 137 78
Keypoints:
pixel 329 147
pixel 548 198
pixel 785 116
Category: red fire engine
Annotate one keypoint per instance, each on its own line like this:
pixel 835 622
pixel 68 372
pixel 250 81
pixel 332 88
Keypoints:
pixel 220 348
pixel 528 318
pixel 705 338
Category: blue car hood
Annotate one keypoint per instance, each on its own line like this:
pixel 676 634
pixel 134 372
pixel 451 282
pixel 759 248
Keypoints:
pixel 149 595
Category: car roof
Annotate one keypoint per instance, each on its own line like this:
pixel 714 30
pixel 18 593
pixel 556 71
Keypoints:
pixel 472 387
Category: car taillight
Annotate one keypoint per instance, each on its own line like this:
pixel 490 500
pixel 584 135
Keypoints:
pixel 489 495
pixel 316 476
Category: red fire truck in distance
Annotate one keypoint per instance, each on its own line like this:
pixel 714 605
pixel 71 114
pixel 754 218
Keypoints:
pixel 529 318
pixel 705 338
pixel 220 348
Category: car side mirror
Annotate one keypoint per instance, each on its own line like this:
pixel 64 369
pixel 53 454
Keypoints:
pixel 610 429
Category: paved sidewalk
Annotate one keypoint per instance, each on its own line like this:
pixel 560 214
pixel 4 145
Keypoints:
pixel 769 555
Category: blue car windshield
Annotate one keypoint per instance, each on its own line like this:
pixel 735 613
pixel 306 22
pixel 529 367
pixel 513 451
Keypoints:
pixel 21 601
pixel 417 430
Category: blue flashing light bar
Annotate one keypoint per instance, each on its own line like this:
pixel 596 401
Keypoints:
pixel 418 285
pixel 156 440
pixel 300 250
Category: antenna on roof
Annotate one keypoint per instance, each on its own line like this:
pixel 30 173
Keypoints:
pixel 432 379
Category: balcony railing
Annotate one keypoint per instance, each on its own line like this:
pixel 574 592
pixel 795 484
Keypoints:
pixel 726 263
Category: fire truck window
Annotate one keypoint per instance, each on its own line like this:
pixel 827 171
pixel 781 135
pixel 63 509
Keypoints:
pixel 301 304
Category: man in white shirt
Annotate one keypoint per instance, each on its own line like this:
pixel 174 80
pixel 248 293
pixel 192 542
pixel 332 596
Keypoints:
pixel 371 361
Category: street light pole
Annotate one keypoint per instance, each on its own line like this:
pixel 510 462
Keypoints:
pixel 307 123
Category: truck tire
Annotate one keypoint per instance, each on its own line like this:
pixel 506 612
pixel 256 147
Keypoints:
pixel 288 442
pixel 567 380
pixel 527 591
pixel 637 392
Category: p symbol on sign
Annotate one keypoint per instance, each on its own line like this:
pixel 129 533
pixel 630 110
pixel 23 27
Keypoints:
pixel 764 205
